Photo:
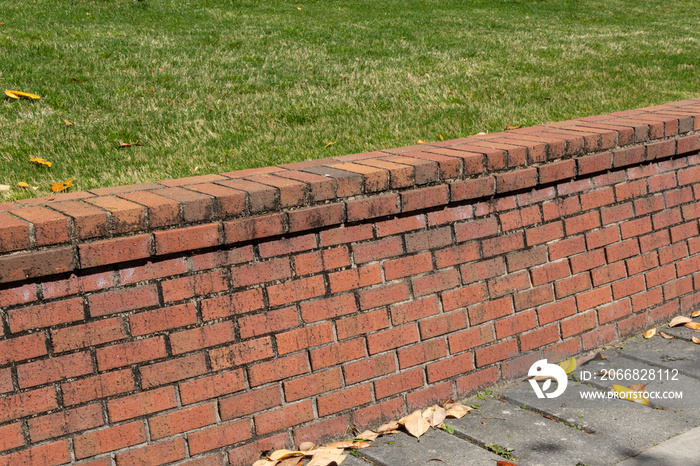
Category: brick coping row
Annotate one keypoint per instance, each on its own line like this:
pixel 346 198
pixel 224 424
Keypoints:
pixel 81 230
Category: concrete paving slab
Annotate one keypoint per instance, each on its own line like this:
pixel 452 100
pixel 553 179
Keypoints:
pixel 536 440
pixel 677 451
pixel 352 460
pixel 672 354
pixel 404 450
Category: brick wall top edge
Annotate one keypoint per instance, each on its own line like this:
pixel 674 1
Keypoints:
pixel 66 232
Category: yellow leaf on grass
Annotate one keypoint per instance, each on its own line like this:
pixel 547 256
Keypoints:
pixel 40 161
pixel 68 123
pixel 415 423
pixel 693 325
pixel 650 333
pixel 58 187
pixel 508 127
pixel 569 365
pixel 22 184
pixel 420 141
pixel 695 314
pixel 696 340
pixel 680 320
pixel 631 395
pixel 330 144
pixel 11 95
pixel 441 138
pixel 23 94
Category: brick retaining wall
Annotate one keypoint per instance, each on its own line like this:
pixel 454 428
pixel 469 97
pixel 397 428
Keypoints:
pixel 206 319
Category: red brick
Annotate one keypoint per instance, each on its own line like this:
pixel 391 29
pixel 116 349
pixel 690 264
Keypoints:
pixel 184 420
pixel 573 285
pixel 476 229
pixel 633 324
pixel 369 368
pixel 630 190
pixel 375 179
pixel 424 198
pixel 495 352
pixel 588 261
pixel 442 324
pixel 152 269
pixel 313 384
pixel 628 287
pixel 187 239
pixel 161 210
pixel 666 218
pixel 392 338
pixel 582 223
pixel 278 369
pixel 376 250
pixel 660 275
pixel 383 295
pixel 282 418
pixel 422 353
pixel 544 233
pixel 6 381
pixel 344 399
pixel 614 311
pixel 560 208
pixel 250 402
pixel 142 403
pixel 172 370
pixel 678 288
pixel 602 237
pixel 594 163
pixel 54 369
pixel 550 272
pixel 50 227
pixel 335 354
pixel 362 323
pixel 113 251
pixel 448 215
pixel 520 218
pixel 509 283
pixel 194 285
pixel 635 227
pixel 48 454
pixel 428 239
pixel 573 187
pixel 21 348
pixel 18 295
pixel 406 266
pixel 45 315
pixel 598 337
pixel 98 386
pixel 344 234
pixel 414 310
pixel 27 403
pixel 16 267
pixel 540 337
pixel 261 197
pixel 519 179
pixel 323 430
pixel 435 282
pixel 132 352
pixel 429 395
pixel 232 304
pixel 240 353
pixel 250 452
pixel 641 263
pixel 121 300
pixel 470 338
pixel 533 297
pixel 556 311
pixel 88 221
pixel 14 233
pixel 270 321
pixel 220 258
pixel 253 228
pixel 399 225
pixel 211 386
pixel 65 422
pixel 688 266
pixel 578 324
pixel 156 453
pixel 482 270
pixel 355 278
pixel 306 337
pixel 325 309
pixel 109 439
pixel 593 298
pixel 161 319
pixel 654 241
pixel 219 436
pixel 484 186
pixel 286 246
pixel 397 383
pixel 684 231
pixel 566 247
pixel 455 255
pixel 502 244
pixel 376 206
pixel 649 204
pixel 673 253
pixel 11 436
pixel 608 273
pixel 490 310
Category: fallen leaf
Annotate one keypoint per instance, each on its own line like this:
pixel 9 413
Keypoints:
pixel 438 416
pixel 457 411
pixel 696 340
pixel 306 446
pixel 393 425
pixel 415 423
pixel 368 435
pixel 150 90
pixel 695 314
pixel 505 463
pixel 638 387
pixel 283 454
pixel 435 459
pixel 68 123
pixel 420 141
pixel 680 320
pixel 5 187
pixel 11 95
pixel 295 461
pixel 666 336
pixel 485 423
pixel 441 138
pixel 77 80
pixel 23 94
pixel 22 184
pixel 327 457
pixel 40 161
pixel 650 333
pixel 351 444
pixel 631 395
pixel 508 127
pixel 693 325
pixel 330 144
pixel 128 144
pixel 58 187
pixel 569 365
pixel 298 8
pixel 595 357
pixel 265 462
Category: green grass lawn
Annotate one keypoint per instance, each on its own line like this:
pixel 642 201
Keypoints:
pixel 209 86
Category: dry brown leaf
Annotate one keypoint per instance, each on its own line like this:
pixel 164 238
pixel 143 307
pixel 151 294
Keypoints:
pixel 294 461
pixel 284 454
pixel 485 423
pixel 351 444
pixel 505 463
pixel 368 435
pixel 415 424
pixel 58 187
pixel 68 123
pixel 40 161
pixel 265 462
pixel 508 127
pixel 438 416
pixel 680 320
pixel 650 333
pixel 436 459
pixel 695 314
pixel 327 457
pixel 696 340
pixel 392 425
pixel 666 336
pixel 457 411
pixel 638 387
pixel 306 446
pixel 693 325
pixel 129 144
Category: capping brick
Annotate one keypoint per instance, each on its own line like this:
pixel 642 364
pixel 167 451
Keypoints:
pixel 50 228
pixel 34 264
pixel 186 239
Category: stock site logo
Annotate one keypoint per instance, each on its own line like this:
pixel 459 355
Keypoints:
pixel 542 370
